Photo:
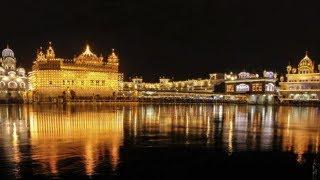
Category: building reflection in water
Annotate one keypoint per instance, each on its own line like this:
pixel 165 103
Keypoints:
pixel 299 129
pixel 89 132
pixel 231 128
pixel 87 138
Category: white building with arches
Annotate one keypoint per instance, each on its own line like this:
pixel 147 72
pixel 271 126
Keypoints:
pixel 13 80
pixel 251 87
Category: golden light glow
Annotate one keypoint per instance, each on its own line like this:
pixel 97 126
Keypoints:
pixel 94 133
pixel 88 51
pixel 58 135
pixel 302 83
pixel 85 76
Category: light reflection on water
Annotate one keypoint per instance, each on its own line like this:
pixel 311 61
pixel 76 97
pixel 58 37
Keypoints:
pixel 87 139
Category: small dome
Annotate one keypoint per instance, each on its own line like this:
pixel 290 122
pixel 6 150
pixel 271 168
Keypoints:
pixel 21 71
pixel 12 73
pixel 244 75
pixel 7 53
pixel 9 63
pixel 306 65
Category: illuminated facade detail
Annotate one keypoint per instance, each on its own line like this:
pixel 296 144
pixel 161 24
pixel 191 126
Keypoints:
pixel 302 83
pixel 86 76
pixel 251 87
pixel 257 87
pixel 13 82
pixel 270 87
pixel 242 88
pixel 230 88
pixel 167 86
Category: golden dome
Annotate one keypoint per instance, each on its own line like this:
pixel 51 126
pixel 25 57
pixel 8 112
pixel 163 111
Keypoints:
pixel 306 65
pixel 88 57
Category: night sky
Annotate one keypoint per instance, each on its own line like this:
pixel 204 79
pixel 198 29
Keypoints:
pixel 180 39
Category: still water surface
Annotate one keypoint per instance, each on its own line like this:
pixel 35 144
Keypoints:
pixel 158 141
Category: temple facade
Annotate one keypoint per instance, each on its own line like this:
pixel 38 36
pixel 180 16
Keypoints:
pixel 251 87
pixel 167 87
pixel 301 83
pixel 13 83
pixel 87 76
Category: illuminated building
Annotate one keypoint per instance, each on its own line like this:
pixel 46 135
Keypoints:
pixel 168 87
pixel 302 83
pixel 251 87
pixel 86 76
pixel 14 83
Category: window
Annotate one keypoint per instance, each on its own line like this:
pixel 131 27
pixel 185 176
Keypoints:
pixel 230 88
pixel 12 84
pixel 2 84
pixel 256 87
pixel 22 85
pixel 242 88
pixel 269 87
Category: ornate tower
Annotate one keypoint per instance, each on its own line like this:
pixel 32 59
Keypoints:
pixel 50 52
pixel 113 61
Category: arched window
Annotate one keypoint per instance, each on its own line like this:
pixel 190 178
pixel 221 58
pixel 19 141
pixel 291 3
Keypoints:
pixel 269 87
pixel 22 85
pixel 2 84
pixel 242 88
pixel 12 84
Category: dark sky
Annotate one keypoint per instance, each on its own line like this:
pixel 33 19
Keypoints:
pixel 180 39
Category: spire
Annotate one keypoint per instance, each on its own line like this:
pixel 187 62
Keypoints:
pixel 306 56
pixel 87 50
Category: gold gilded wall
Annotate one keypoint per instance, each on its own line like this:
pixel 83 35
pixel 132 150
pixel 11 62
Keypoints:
pixel 84 83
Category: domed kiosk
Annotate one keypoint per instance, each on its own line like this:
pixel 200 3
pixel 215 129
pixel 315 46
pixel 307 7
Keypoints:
pixel 13 82
pixel 301 84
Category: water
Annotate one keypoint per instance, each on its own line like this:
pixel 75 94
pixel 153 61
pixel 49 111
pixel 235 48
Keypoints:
pixel 130 141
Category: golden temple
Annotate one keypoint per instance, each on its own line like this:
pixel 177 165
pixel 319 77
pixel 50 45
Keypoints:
pixel 86 76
